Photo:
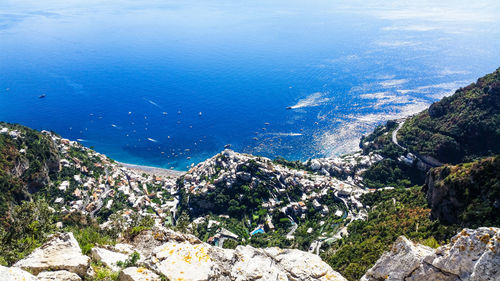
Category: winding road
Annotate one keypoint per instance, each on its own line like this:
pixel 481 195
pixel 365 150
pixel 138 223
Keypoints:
pixel 428 160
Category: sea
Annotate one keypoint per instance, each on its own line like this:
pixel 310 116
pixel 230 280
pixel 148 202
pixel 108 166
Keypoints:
pixel 171 83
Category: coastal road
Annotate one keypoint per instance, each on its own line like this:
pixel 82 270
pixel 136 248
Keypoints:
pixel 395 134
pixel 429 161
pixel 294 228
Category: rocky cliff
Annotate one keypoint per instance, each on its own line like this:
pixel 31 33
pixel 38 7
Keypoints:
pixel 471 255
pixel 167 254
pixel 467 194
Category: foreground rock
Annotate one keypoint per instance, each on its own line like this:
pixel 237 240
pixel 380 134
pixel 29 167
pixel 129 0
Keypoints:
pixel 278 264
pixel 109 258
pixel 176 256
pixel 194 260
pixel 15 274
pixel 61 252
pixel 404 257
pixel 58 276
pixel 138 274
pixel 472 255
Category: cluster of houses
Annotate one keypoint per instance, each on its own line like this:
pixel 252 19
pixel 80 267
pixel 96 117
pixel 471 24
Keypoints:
pixel 104 184
pixel 229 167
pixel 91 192
pixel 12 133
pixel 348 167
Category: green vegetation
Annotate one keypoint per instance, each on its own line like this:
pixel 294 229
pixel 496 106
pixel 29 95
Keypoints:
pixel 393 213
pixel 393 173
pixel 390 171
pixel 26 229
pixel 131 260
pixel 26 163
pixel 237 200
pixel 459 128
pixel 138 225
pixel 468 193
pixel 380 141
pixel 90 236
pixel 298 165
pixel 102 273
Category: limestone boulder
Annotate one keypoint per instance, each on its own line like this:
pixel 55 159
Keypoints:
pixel 60 252
pixel 404 257
pixel 203 262
pixel 471 255
pixel 109 258
pixel 183 261
pixel 138 274
pixel 277 264
pixel 15 274
pixel 59 275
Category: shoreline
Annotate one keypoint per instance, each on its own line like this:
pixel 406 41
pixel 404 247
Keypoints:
pixel 152 170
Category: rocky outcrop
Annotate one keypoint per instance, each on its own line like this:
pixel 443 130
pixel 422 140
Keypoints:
pixel 183 260
pixel 58 276
pixel 472 255
pixel 467 194
pixel 15 274
pixel 138 274
pixel 404 257
pixel 61 252
pixel 193 260
pixel 277 264
pixel 109 258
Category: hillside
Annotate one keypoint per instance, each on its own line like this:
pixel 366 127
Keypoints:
pixel 459 128
pixel 28 161
pixel 467 194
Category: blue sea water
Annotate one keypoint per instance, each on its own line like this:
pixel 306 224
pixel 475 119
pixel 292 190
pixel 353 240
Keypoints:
pixel 170 83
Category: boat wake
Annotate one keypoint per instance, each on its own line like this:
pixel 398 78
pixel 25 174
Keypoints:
pixel 285 134
pixel 312 100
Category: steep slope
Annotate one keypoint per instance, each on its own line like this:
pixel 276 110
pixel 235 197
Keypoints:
pixel 459 128
pixel 28 161
pixel 392 213
pixel 467 194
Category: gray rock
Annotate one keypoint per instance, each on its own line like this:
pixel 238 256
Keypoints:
pixel 58 276
pixel 138 274
pixel 109 258
pixel 61 252
pixel 278 264
pixel 404 257
pixel 473 254
pixel 15 274
pixel 200 261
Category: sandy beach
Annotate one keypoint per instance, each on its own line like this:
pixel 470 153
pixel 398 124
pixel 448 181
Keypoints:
pixel 153 170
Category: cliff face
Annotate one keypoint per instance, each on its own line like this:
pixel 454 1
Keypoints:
pixel 466 194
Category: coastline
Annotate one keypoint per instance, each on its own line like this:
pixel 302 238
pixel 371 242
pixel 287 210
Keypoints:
pixel 152 170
